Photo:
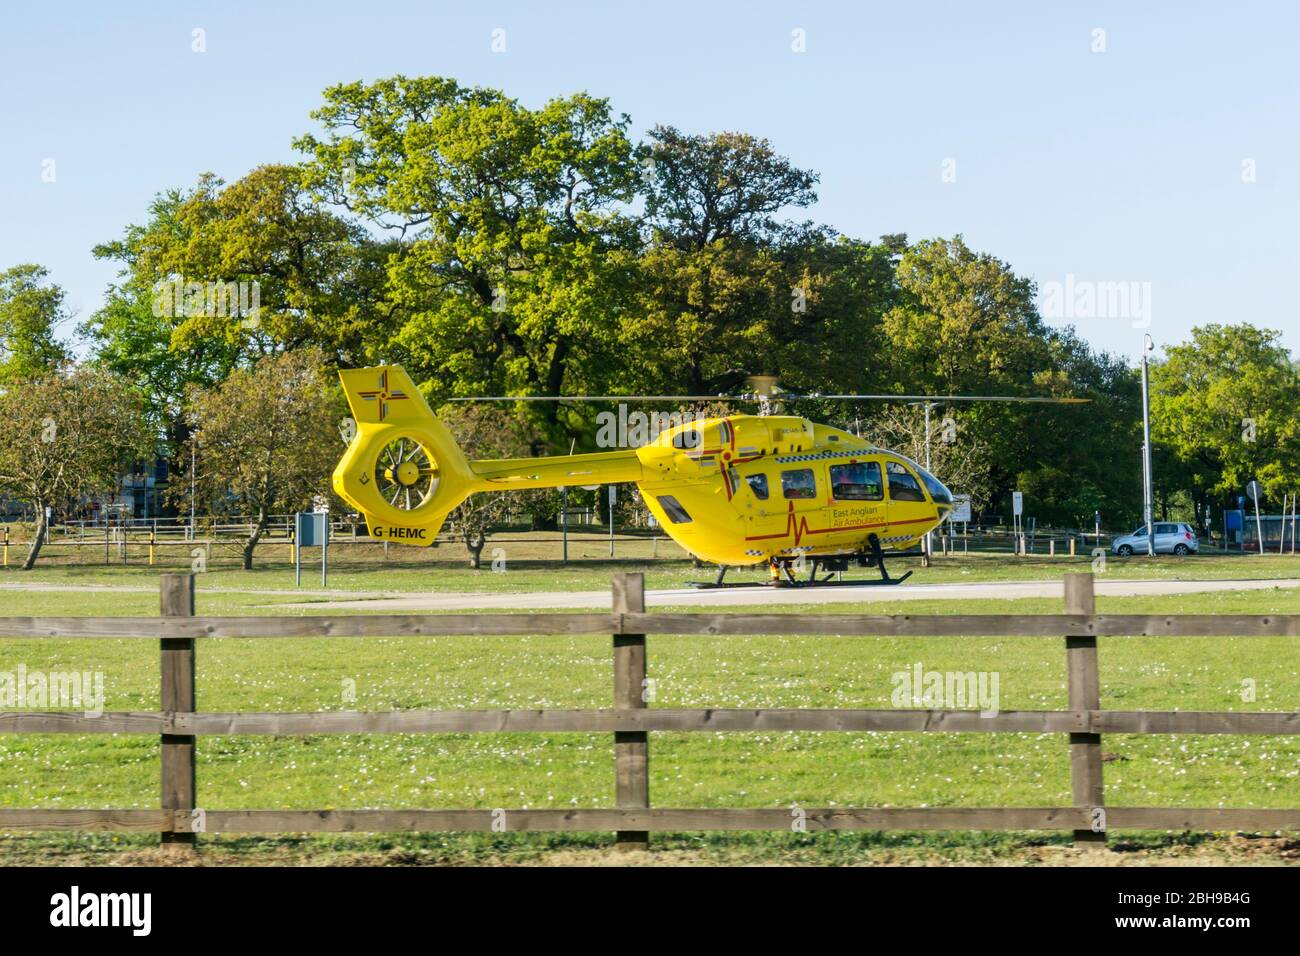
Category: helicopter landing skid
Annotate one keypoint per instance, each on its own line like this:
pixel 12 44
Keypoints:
pixel 821 583
pixel 784 576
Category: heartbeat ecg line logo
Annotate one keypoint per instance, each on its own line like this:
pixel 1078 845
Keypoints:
pixel 797 525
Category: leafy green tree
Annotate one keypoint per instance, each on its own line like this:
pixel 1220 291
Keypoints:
pixel 702 189
pixel 513 243
pixel 1226 406
pixel 965 323
pixel 31 309
pixel 234 272
pixel 802 308
pixel 127 338
pixel 1077 459
pixel 66 436
pixel 727 287
pixel 221 275
pixel 267 441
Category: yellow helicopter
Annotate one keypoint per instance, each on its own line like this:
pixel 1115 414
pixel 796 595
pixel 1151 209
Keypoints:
pixel 734 491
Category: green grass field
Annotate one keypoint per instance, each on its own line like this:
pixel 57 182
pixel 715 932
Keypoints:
pixel 704 770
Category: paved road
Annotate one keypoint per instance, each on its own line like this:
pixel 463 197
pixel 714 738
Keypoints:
pixel 760 596
pixel 724 597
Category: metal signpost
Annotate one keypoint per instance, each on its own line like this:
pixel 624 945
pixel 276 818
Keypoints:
pixel 1148 480
pixel 612 495
pixel 1017 520
pixel 961 511
pixel 312 530
pixel 1253 489
pixel 1234 525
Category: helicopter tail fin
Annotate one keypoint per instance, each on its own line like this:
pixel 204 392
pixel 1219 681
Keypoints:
pixel 403 469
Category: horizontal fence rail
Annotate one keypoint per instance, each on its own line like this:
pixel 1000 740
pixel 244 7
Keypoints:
pixel 179 723
pixel 821 625
pixel 660 718
pixel 186 822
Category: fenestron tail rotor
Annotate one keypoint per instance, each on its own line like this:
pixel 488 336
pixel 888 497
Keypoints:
pixel 406 475
pixel 403 470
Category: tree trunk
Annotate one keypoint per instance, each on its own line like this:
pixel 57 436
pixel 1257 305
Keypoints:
pixel 474 543
pixel 42 529
pixel 251 543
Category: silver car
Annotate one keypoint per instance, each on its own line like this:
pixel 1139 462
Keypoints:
pixel 1170 538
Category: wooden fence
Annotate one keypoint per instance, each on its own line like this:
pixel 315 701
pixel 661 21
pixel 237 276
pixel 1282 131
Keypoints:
pixel 631 721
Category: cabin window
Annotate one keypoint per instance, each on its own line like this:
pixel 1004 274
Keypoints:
pixel 798 483
pixel 674 510
pixel 857 481
pixel 903 486
pixel 758 485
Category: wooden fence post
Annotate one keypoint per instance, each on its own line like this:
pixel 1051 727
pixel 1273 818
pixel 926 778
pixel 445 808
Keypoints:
pixel 1085 694
pixel 631 748
pixel 178 696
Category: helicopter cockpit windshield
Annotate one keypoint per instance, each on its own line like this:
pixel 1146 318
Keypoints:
pixel 939 492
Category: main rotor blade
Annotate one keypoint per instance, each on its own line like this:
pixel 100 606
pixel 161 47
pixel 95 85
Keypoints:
pixel 598 398
pixel 775 397
pixel 940 398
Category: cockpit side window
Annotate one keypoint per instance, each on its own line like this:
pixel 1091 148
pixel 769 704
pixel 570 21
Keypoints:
pixel 758 485
pixel 903 485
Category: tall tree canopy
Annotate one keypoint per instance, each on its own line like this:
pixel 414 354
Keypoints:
pixel 1226 407
pixel 266 441
pixel 31 309
pixel 702 189
pixel 513 241
pixel 66 436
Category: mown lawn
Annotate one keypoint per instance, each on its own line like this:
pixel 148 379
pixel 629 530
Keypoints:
pixel 529 562
pixel 706 770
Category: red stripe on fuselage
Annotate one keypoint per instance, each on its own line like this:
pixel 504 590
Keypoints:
pixel 800 528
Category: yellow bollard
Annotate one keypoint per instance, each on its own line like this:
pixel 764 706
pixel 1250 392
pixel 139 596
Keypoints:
pixel 6 547
pixel 153 534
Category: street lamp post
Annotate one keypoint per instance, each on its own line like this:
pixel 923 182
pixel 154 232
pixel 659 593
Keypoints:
pixel 193 497
pixel 564 522
pixel 1148 480
pixel 929 541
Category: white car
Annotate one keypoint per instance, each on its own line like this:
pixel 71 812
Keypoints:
pixel 1170 538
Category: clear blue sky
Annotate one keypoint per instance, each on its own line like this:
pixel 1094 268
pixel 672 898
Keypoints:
pixel 1117 166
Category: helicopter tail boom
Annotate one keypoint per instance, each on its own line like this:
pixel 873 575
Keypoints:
pixel 600 468
pixel 405 473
